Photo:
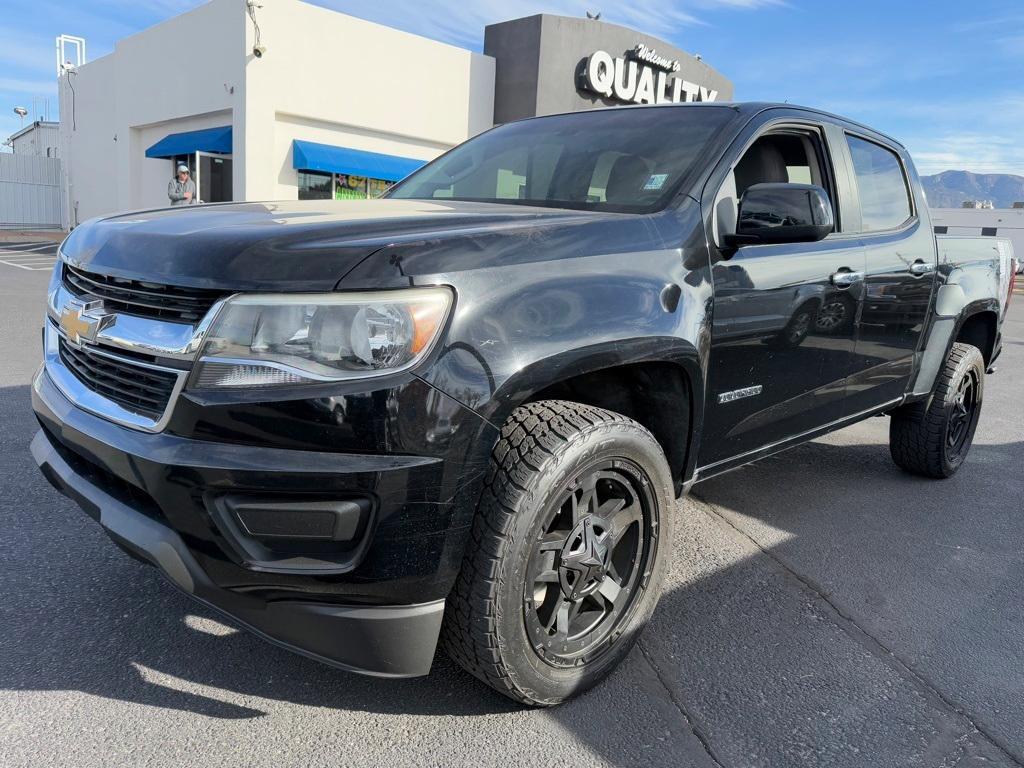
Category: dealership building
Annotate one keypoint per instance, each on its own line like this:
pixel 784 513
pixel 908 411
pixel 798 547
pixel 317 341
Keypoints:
pixel 286 100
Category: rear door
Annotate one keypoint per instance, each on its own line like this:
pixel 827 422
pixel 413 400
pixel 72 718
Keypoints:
pixel 773 372
pixel 900 264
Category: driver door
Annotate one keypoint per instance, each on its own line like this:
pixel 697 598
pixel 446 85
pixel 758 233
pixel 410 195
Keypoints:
pixel 778 364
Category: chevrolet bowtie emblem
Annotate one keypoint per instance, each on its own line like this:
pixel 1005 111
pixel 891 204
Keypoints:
pixel 82 321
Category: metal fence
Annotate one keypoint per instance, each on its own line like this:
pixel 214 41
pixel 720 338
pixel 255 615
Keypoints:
pixel 30 192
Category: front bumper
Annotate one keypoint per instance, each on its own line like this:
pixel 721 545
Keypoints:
pixel 152 494
pixel 387 641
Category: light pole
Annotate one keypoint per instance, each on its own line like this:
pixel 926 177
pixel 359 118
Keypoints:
pixel 21 112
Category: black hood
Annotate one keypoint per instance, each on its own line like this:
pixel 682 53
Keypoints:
pixel 288 246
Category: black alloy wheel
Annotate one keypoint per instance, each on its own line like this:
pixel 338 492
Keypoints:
pixel 961 415
pixel 588 561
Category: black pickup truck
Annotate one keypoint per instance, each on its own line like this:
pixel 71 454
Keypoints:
pixel 466 411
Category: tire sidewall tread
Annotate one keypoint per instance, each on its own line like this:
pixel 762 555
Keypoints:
pixel 541 447
pixel 917 431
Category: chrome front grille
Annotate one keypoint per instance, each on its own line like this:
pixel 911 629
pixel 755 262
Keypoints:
pixel 142 298
pixel 139 388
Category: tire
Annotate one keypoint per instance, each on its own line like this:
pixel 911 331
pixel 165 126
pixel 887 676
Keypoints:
pixel 552 460
pixel 932 437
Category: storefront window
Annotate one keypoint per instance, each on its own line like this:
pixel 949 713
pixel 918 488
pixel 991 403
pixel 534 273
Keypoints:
pixel 348 187
pixel 351 187
pixel 340 186
pixel 377 187
pixel 314 186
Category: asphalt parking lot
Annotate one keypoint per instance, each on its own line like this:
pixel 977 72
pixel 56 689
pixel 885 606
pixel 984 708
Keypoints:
pixel 27 254
pixel 823 610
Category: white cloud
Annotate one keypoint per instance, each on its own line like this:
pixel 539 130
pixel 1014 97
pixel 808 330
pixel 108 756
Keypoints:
pixel 980 153
pixel 980 134
pixel 461 21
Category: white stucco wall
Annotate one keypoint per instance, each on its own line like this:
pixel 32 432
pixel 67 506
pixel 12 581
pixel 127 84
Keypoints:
pixel 88 126
pixel 180 70
pixel 335 79
pixel 326 77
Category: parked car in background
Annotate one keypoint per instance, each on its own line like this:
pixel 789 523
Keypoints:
pixel 466 411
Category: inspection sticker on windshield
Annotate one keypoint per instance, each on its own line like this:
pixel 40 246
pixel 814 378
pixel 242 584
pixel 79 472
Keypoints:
pixel 655 181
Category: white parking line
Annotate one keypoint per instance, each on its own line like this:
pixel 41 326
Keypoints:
pixel 25 247
pixel 28 253
pixel 42 268
pixel 22 266
pixel 26 256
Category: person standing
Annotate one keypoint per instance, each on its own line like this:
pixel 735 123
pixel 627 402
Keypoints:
pixel 181 189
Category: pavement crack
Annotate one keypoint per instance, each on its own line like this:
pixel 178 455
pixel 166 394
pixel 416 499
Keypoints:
pixel 677 702
pixel 849 624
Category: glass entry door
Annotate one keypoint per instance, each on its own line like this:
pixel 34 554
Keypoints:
pixel 213 177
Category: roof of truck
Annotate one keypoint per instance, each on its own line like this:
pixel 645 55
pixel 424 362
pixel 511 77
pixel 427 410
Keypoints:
pixel 747 108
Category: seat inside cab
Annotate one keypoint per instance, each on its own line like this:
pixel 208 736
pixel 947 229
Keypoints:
pixel 790 155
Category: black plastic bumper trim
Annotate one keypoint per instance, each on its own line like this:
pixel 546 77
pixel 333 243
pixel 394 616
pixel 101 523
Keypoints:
pixel 384 641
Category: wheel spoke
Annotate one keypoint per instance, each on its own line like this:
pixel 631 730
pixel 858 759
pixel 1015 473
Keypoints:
pixel 550 577
pixel 563 615
pixel 610 508
pixel 610 590
pixel 618 523
pixel 550 623
pixel 551 541
pixel 587 500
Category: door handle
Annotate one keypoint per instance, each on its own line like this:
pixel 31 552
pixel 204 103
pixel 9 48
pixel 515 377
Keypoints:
pixel 921 268
pixel 844 278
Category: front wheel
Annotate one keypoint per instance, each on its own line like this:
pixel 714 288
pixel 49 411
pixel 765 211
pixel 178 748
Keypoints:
pixel 932 438
pixel 568 553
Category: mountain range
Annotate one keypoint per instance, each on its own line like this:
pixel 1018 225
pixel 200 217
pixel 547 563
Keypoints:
pixel 951 188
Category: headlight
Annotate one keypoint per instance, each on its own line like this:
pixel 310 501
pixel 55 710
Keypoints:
pixel 272 339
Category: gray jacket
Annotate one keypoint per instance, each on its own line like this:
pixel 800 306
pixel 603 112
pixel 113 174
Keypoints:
pixel 176 191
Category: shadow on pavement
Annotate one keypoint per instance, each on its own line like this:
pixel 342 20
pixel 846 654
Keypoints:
pixel 767 667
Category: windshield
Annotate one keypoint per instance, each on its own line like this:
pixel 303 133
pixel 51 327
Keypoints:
pixel 627 160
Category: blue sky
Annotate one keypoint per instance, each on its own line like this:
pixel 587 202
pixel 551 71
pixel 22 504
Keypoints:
pixel 944 76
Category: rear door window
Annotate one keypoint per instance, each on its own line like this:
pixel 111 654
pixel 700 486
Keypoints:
pixel 884 194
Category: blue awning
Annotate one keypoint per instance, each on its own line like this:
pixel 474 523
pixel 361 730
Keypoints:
pixel 309 156
pixel 206 140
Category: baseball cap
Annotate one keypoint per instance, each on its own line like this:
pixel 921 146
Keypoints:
pixel 183 167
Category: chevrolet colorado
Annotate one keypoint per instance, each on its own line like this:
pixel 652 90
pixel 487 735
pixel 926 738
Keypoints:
pixel 465 411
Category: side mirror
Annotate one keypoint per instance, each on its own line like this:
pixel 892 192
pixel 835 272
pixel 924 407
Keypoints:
pixel 782 213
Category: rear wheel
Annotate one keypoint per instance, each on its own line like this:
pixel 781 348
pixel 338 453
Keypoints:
pixel 568 554
pixel 932 438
